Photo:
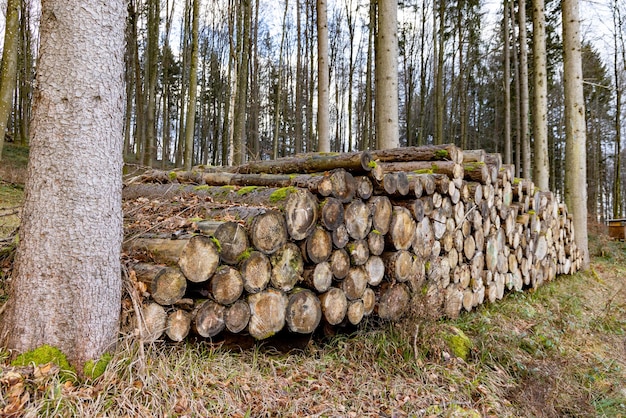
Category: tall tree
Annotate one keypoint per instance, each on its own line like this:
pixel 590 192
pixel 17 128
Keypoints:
pixel 439 37
pixel 66 290
pixel 618 43
pixel 524 137
pixel 8 69
pixel 241 98
pixel 323 78
pixel 190 121
pixel 507 82
pixel 151 70
pixel 541 166
pixel 386 73
pixel 575 147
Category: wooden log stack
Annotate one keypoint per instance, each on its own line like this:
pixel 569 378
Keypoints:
pixel 332 239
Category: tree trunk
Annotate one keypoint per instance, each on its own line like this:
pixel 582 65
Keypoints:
pixel 8 72
pixel 541 166
pixel 70 247
pixel 523 115
pixel 386 70
pixel 190 120
pixel 323 111
pixel 575 147
pixel 507 83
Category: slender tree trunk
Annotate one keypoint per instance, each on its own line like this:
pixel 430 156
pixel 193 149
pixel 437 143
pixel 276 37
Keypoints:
pixel 299 83
pixel 193 87
pixel 279 83
pixel 575 147
pixel 151 71
pixel 541 164
pixel 323 84
pixel 8 70
pixel 507 83
pixel 26 74
pixel 139 93
pixel 518 122
pixel 386 69
pixel 239 122
pixel 66 290
pixel 368 137
pixel 524 101
pixel 439 87
pixel 423 67
pixel 617 190
pixel 184 82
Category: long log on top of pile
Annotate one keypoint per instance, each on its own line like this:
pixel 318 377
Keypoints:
pixel 277 249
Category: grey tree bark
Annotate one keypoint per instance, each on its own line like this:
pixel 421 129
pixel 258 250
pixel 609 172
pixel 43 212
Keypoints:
pixel 190 120
pixel 575 130
pixel 524 102
pixel 386 74
pixel 66 290
pixel 541 166
pixel 323 114
pixel 8 71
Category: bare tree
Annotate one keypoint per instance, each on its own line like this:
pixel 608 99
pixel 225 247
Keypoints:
pixel 66 290
pixel 524 101
pixel 193 87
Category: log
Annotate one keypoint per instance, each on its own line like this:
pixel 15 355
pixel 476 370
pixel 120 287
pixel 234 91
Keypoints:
pixel 398 265
pixel 358 219
pixel 445 152
pixel 304 312
pixel 332 214
pixel 394 301
pixel 233 241
pixel 356 311
pixel 477 172
pixel 311 163
pixel 369 301
pixel 199 259
pixel 226 285
pixel 319 278
pixel 359 252
pixel 165 251
pixel 178 325
pixel 145 272
pixel 269 232
pixel 355 282
pixel 256 272
pixel 287 267
pixel 340 236
pixel 153 322
pixel 381 210
pixel 402 228
pixel 343 185
pixel 375 268
pixel 208 319
pixel 237 316
pixel 364 187
pixel 449 168
pixel 267 313
pixel 168 286
pixel 340 263
pixel 301 214
pixel 319 245
pixel 334 305
pixel 376 242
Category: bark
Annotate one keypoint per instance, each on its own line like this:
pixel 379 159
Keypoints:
pixel 575 150
pixel 449 168
pixel 449 152
pixel 49 266
pixel 323 68
pixel 386 70
pixel 193 88
pixel 523 69
pixel 311 163
pixel 8 71
pixel 541 165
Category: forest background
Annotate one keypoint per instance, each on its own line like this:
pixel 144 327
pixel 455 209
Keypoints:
pixel 257 82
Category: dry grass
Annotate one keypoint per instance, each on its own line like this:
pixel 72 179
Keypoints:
pixel 557 352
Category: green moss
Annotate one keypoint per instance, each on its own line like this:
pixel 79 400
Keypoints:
pixel 531 212
pixel 44 355
pixel 477 165
pixel 247 189
pixel 224 190
pixel 442 154
pixel 281 194
pixel 516 181
pixel 217 244
pixel 458 343
pixel 245 255
pixel 372 164
pixel 94 369
pixel 376 232
pixel 293 176
pixel 427 265
pixel 203 188
pixel 172 175
pixel 423 171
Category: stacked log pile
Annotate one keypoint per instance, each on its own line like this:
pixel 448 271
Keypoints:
pixel 332 239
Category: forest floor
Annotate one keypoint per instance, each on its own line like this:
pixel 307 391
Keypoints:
pixel 558 351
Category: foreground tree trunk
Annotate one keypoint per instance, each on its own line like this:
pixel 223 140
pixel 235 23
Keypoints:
pixel 67 287
pixel 575 151
pixel 323 115
pixel 541 166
